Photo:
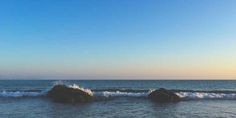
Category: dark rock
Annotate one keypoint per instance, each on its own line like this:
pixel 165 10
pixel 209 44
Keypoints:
pixel 163 95
pixel 64 94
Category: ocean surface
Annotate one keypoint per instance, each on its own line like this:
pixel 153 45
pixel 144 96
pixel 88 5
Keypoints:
pixel 122 99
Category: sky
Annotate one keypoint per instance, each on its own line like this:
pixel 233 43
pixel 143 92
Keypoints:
pixel 158 39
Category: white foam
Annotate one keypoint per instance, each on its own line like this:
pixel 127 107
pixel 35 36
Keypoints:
pixel 20 94
pixel 121 94
pixel 80 88
pixel 75 86
pixel 202 95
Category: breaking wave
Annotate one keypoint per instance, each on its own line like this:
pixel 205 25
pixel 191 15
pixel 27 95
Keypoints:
pixel 21 94
pixel 202 95
pixel 80 88
pixel 124 92
pixel 121 94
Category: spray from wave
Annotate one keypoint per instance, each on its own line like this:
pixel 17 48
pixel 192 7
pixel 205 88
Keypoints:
pixel 80 88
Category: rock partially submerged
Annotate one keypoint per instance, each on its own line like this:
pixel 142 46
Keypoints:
pixel 65 94
pixel 163 95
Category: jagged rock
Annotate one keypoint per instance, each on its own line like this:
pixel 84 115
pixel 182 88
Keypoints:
pixel 64 94
pixel 163 95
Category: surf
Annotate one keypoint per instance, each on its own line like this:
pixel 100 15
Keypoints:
pixel 124 92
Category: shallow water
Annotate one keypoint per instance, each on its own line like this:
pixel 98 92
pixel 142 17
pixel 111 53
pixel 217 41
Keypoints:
pixel 119 105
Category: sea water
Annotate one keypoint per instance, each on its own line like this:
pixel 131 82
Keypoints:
pixel 122 99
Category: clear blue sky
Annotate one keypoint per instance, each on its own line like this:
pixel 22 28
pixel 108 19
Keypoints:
pixel 118 38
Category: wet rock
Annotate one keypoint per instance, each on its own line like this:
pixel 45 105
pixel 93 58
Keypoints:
pixel 65 94
pixel 164 95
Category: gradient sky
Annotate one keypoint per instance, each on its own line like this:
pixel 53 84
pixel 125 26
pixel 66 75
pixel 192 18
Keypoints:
pixel 180 39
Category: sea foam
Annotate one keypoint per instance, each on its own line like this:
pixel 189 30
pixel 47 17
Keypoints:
pixel 121 94
pixel 74 86
pixel 205 95
pixel 21 94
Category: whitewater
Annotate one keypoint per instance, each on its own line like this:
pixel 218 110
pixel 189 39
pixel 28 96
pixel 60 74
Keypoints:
pixel 185 94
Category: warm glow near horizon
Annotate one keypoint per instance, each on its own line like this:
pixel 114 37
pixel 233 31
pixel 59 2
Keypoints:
pixel 143 39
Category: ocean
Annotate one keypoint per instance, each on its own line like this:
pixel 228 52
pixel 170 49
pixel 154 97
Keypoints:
pixel 122 99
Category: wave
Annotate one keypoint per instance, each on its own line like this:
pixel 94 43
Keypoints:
pixel 126 92
pixel 184 95
pixel 121 94
pixel 205 95
pixel 80 88
pixel 205 91
pixel 21 94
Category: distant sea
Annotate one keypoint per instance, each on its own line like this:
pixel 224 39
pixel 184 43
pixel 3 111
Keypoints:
pixel 122 99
